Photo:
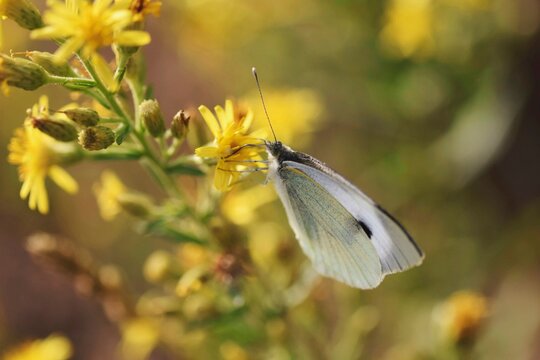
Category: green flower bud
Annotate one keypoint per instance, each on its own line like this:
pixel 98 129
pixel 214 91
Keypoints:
pixel 57 129
pixel 96 138
pixel 179 125
pixel 22 73
pixel 50 63
pixel 83 116
pixel 134 204
pixel 151 117
pixel 23 12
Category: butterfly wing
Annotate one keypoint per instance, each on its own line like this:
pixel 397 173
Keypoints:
pixel 330 236
pixel 395 247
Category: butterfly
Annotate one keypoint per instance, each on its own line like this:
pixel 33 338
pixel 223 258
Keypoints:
pixel 345 234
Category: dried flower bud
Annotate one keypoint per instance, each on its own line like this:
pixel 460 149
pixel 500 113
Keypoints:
pixel 48 62
pixel 96 138
pixel 151 117
pixel 134 204
pixel 23 12
pixel 83 116
pixel 22 73
pixel 179 125
pixel 57 129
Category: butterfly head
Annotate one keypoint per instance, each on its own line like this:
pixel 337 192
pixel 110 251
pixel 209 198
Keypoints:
pixel 274 148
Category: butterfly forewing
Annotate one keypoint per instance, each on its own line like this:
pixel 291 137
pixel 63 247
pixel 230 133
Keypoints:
pixel 333 239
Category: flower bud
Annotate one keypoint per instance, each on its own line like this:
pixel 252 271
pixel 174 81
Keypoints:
pixel 96 138
pixel 48 62
pixel 57 129
pixel 151 117
pixel 134 204
pixel 179 125
pixel 22 73
pixel 23 12
pixel 83 116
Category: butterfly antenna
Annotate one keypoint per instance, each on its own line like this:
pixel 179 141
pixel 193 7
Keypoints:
pixel 254 71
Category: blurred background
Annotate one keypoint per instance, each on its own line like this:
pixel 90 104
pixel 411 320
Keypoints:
pixel 430 106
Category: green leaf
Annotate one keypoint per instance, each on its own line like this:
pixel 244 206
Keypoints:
pixel 161 228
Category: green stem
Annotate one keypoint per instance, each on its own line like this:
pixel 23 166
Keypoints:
pixel 76 83
pixel 121 68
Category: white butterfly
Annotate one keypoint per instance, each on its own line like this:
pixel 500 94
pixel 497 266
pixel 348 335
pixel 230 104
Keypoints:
pixel 345 234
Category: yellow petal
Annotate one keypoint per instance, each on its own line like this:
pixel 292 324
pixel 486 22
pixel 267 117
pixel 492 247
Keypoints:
pixel 63 179
pixel 210 120
pixel 222 179
pixel 247 121
pixel 104 72
pixel 207 151
pixel 229 111
pixel 67 49
pixel 222 116
pixel 132 38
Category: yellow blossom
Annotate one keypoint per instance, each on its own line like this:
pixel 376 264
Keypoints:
pixel 461 315
pixel 39 156
pixel 139 337
pixel 240 206
pixel 233 148
pixel 295 113
pixel 232 351
pixel 108 193
pixel 54 347
pixel 408 28
pixel 88 25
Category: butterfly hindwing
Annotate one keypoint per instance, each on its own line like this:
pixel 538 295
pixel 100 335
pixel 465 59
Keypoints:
pixel 336 243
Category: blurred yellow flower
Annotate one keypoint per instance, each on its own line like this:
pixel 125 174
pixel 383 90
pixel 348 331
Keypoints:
pixel 88 25
pixel 295 113
pixel 240 207
pixel 232 351
pixel 54 347
pixel 191 255
pixel 107 194
pixel 157 266
pixel 39 156
pixel 234 149
pixel 408 27
pixel 461 315
pixel 139 337
pixel 191 281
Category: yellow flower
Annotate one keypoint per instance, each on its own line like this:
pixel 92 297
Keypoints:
pixel 240 206
pixel 461 315
pixel 139 337
pixel 108 193
pixel 39 156
pixel 87 26
pixel 54 347
pixel 408 29
pixel 295 114
pixel 234 149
